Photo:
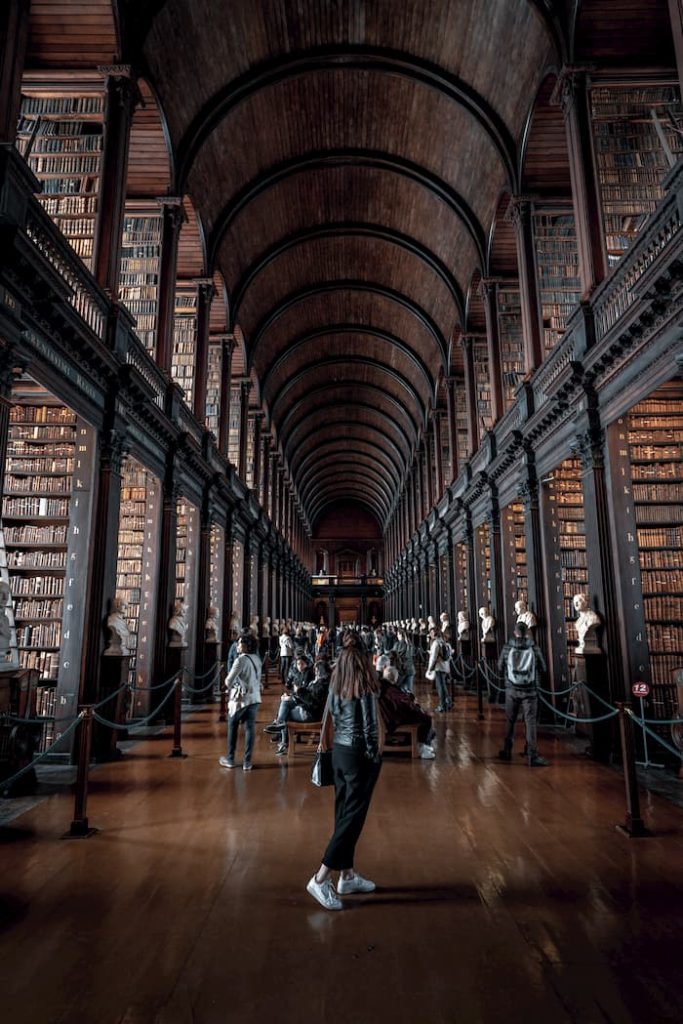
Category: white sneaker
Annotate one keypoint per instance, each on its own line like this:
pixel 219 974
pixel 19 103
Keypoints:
pixel 426 753
pixel 324 893
pixel 354 884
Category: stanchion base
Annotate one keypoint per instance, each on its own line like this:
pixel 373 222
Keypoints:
pixel 79 831
pixel 177 752
pixel 636 830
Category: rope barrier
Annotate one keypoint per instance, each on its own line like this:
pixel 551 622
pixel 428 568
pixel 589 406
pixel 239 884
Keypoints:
pixel 653 734
pixel 110 697
pixel 558 693
pixel 597 696
pixel 205 675
pixel 35 721
pixel 209 685
pixel 573 718
pixel 6 784
pixel 142 722
pixel 158 686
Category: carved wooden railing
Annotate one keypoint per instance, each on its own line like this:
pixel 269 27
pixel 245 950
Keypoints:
pixel 138 357
pixel 88 301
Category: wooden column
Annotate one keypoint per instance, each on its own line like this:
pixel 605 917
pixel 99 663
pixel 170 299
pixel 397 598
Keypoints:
pixel 520 212
pixel 495 542
pixel 172 219
pixel 438 454
pixel 424 506
pixel 489 293
pixel 14 23
pixel 470 395
pixel 228 595
pixel 537 570
pixel 265 475
pixel 572 92
pixel 205 294
pixel 203 594
pixel 450 585
pixel 166 579
pixel 228 347
pixel 103 552
pixel 590 447
pixel 245 610
pixel 245 388
pixel 122 94
pixel 676 12
pixel 258 421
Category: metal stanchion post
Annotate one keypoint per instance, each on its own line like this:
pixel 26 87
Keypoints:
pixel 177 720
pixel 480 694
pixel 634 825
pixel 79 828
pixel 223 708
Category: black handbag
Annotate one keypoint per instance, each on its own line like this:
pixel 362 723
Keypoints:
pixel 322 772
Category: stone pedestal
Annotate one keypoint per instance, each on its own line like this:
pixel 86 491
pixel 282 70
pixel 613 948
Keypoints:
pixel 210 654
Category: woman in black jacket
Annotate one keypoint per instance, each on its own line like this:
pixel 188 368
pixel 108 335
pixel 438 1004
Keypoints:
pixel 356 760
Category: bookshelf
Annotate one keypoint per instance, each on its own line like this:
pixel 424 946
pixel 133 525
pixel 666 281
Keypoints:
pixel 60 135
pixel 184 339
pixel 511 342
pixel 482 385
pixel 444 605
pixel 482 561
pixel 217 571
pixel 140 261
pixel 234 425
pixel 515 579
pixel 566 557
pixel 461 426
pixel 637 137
pixel 461 580
pixel 12 655
pixel 46 514
pixel 655 436
pixel 136 571
pixel 237 581
pixel 557 266
pixel 251 436
pixel 213 388
pixel 187 537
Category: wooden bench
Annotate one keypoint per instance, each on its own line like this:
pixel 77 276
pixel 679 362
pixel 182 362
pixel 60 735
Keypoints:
pixel 304 735
pixel 403 740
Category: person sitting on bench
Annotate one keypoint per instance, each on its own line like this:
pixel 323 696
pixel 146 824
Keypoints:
pixel 399 707
pixel 304 703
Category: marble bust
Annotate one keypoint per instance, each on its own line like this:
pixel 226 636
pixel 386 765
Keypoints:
pixel 265 628
pixel 488 625
pixel 463 626
pixel 117 630
pixel 524 615
pixel 210 626
pixel 177 625
pixel 586 625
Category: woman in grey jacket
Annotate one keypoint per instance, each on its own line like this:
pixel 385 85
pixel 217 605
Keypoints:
pixel 244 696
pixel 356 761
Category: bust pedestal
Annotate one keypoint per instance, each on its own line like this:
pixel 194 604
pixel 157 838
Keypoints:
pixel 210 653
pixel 591 669
pixel 114 675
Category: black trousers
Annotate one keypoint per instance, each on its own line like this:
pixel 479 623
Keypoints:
pixel 354 780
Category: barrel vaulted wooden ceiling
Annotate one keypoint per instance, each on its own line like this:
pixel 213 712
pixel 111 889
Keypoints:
pixel 346 160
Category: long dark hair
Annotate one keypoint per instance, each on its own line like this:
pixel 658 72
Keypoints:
pixel 353 674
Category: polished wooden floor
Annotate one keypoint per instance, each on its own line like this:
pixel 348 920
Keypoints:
pixel 505 894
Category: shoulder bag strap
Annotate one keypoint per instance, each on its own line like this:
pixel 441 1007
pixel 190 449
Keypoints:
pixel 323 727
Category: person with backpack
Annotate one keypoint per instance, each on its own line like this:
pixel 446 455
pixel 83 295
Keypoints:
pixel 439 669
pixel 522 662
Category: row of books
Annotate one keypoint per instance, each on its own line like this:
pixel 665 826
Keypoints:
pixel 664 538
pixel 36 508
pixel 46 663
pixel 658 492
pixel 659 514
pixel 44 634
pixel 656 453
pixel 41 414
pixel 36 559
pixel 667 639
pixel 664 608
pixel 62 105
pixel 35 534
pixel 28 484
pixel 33 609
pixel 664 559
pixel 30 586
